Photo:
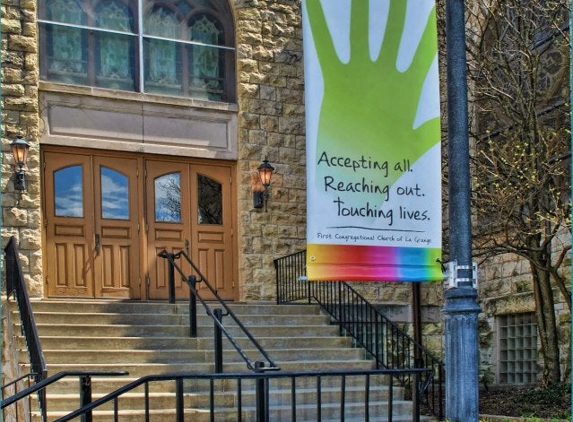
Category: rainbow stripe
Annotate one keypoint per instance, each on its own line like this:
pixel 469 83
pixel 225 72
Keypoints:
pixel 372 263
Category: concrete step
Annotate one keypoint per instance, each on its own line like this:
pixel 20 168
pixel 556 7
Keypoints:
pixel 191 355
pixel 127 307
pixel 102 385
pixel 135 400
pixel 203 320
pixel 153 338
pixel 67 342
pixel 309 412
pixel 120 330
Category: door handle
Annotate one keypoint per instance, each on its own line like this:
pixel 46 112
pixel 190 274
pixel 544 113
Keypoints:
pixel 97 243
pixel 187 243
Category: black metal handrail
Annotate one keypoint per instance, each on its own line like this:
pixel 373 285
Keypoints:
pixel 85 393
pixel 388 344
pixel 216 315
pixel 16 286
pixel 264 383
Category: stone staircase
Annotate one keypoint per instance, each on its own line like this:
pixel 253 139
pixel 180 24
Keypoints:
pixel 152 338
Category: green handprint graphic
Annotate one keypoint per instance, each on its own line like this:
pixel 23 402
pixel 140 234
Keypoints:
pixel 369 106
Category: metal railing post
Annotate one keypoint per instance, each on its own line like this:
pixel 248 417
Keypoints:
pixel 179 399
pixel 416 393
pixel 218 339
pixel 171 276
pixel 192 307
pixel 86 396
pixel 262 396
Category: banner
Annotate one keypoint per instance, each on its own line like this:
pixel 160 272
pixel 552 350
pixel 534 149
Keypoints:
pixel 373 140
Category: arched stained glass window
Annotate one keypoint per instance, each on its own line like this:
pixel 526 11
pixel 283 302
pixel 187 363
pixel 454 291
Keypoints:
pixel 206 61
pixel 162 58
pixel 116 51
pixel 66 56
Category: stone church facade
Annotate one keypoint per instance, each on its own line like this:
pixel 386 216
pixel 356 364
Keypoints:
pixel 98 128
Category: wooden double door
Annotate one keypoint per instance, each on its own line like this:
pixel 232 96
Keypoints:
pixel 107 217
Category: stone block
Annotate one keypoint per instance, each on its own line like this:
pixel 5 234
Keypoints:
pixel 14 217
pixel 21 43
pixel 11 26
pixel 31 239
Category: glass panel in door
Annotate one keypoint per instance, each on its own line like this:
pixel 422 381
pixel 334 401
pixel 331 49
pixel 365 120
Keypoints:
pixel 68 215
pixel 116 239
pixel 168 220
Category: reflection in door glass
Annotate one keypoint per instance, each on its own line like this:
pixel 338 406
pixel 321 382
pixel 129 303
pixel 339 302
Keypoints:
pixel 210 199
pixel 114 195
pixel 168 198
pixel 68 192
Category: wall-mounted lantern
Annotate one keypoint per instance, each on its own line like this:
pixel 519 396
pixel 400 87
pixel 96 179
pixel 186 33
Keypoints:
pixel 261 196
pixel 20 152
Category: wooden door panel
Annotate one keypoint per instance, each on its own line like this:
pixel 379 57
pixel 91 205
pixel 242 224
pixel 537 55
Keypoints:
pixel 90 251
pixel 211 233
pixel 117 270
pixel 116 223
pixel 69 273
pixel 167 188
pixel 68 215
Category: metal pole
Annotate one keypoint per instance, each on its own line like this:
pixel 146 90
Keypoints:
pixel 460 307
pixel 262 392
pixel 218 339
pixel 192 307
pixel 85 396
pixel 171 277
pixel 179 412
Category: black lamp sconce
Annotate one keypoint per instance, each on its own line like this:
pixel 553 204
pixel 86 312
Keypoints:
pixel 20 150
pixel 261 190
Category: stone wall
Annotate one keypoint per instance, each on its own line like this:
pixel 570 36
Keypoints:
pixel 270 85
pixel 21 212
pixel 506 287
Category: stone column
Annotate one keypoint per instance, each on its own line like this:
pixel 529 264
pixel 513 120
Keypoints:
pixel 21 211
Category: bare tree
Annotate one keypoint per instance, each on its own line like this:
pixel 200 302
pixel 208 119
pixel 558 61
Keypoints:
pixel 518 53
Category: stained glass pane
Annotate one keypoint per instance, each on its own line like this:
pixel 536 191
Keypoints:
pixel 162 67
pixel 68 192
pixel 162 22
pixel 206 62
pixel 210 200
pixel 114 15
pixel 162 59
pixel 168 198
pixel 115 67
pixel 66 11
pixel 114 195
pixel 67 56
